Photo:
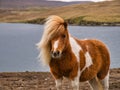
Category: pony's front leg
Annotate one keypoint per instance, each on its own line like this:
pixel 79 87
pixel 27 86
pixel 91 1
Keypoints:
pixel 75 83
pixel 58 84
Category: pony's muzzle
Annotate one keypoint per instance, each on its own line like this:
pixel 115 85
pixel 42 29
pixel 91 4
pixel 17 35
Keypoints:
pixel 55 54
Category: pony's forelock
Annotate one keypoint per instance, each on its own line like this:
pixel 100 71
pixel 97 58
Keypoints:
pixel 52 25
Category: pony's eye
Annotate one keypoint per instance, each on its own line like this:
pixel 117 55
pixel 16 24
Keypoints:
pixel 63 36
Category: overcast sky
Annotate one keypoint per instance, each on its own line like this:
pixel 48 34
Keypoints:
pixel 79 0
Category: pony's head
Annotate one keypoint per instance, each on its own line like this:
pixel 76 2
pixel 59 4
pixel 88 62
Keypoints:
pixel 54 39
pixel 59 41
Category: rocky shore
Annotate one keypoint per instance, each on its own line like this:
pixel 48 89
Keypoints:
pixel 44 81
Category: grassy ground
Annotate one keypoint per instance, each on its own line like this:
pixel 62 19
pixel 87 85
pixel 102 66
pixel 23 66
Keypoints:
pixel 102 13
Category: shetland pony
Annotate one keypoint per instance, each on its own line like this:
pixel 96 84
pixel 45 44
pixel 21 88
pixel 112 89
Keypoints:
pixel 78 60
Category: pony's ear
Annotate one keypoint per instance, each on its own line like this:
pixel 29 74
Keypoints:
pixel 65 25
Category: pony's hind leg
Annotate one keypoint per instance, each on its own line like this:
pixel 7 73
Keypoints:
pixel 105 82
pixel 95 84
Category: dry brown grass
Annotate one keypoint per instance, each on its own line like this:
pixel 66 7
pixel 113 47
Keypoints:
pixel 21 15
pixel 92 12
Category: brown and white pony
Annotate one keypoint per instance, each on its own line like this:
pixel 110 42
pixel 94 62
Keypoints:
pixel 78 60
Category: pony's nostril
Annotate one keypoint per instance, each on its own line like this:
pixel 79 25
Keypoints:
pixel 58 52
pixel 55 54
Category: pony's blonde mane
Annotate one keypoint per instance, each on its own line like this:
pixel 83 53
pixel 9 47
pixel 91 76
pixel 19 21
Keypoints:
pixel 52 25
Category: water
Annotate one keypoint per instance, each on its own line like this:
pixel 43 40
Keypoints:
pixel 18 51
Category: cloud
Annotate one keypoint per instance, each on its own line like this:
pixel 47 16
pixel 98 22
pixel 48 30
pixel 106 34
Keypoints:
pixel 79 0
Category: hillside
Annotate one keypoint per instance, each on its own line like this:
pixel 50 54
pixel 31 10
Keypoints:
pixel 101 13
pixel 21 4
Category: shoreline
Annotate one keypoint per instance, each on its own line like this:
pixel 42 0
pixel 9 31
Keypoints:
pixel 79 22
pixel 70 24
pixel 111 69
pixel 44 81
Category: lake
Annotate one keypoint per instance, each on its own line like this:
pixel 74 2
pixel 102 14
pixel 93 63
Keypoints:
pixel 18 50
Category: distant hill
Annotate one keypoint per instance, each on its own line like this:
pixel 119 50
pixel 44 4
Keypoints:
pixel 100 13
pixel 34 3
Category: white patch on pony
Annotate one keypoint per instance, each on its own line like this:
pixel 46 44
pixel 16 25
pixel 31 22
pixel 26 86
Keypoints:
pixel 75 48
pixel 85 39
pixel 56 44
pixel 88 59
